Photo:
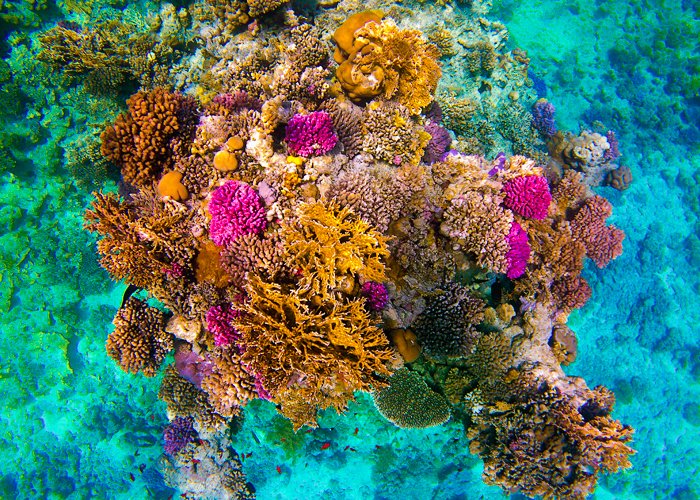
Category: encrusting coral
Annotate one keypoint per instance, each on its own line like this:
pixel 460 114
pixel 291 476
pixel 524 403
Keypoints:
pixel 310 236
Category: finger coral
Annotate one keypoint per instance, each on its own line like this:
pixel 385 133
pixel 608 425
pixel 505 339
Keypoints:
pixel 139 342
pixel 236 210
pixel 138 140
pixel 528 196
pixel 409 403
pixel 603 243
pixel 310 135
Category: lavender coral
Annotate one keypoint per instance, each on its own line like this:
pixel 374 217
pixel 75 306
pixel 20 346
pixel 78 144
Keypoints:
pixel 310 135
pixel 236 209
pixel 178 434
pixel 543 118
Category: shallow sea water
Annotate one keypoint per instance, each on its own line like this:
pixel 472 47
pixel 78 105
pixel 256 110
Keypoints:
pixel 74 426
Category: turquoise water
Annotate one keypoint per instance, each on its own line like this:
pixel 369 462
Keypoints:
pixel 76 426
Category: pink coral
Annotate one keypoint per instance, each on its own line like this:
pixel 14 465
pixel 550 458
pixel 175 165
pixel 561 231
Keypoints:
pixel 519 252
pixel 236 209
pixel 603 243
pixel 376 294
pixel 528 196
pixel 219 323
pixel 310 135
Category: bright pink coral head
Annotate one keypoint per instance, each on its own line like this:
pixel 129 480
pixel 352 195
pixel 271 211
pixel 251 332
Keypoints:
pixel 310 135
pixel 528 196
pixel 236 209
pixel 519 251
pixel 220 324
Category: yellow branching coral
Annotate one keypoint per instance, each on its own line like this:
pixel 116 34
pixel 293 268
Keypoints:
pixel 331 248
pixel 385 60
pixel 305 349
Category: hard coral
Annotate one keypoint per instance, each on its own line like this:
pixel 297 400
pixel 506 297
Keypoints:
pixel 528 196
pixel 446 326
pixel 385 60
pixel 603 243
pixel 409 403
pixel 139 342
pixel 310 135
pixel 518 252
pixel 219 323
pixel 178 434
pixel 138 142
pixel 236 209
pixel 229 385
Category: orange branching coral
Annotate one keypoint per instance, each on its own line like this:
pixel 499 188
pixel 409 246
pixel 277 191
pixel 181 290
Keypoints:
pixel 305 349
pixel 550 442
pixel 139 249
pixel 385 60
pixel 603 243
pixel 138 141
pixel 229 386
pixel 139 342
pixel 332 249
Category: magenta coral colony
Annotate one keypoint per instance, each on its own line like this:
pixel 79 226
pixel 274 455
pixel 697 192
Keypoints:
pixel 362 238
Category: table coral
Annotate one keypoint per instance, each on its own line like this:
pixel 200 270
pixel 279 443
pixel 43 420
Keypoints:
pixel 409 403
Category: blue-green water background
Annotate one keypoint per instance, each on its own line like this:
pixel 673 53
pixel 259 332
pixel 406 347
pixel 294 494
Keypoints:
pixel 74 425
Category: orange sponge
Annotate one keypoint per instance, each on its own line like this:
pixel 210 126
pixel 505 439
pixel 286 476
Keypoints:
pixel 406 343
pixel 344 36
pixel 171 185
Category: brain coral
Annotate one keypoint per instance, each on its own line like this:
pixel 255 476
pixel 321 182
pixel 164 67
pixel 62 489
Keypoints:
pixel 408 402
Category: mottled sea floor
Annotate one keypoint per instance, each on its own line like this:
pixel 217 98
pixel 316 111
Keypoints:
pixel 73 425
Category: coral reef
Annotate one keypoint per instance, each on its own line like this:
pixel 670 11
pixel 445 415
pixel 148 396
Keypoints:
pixel 312 237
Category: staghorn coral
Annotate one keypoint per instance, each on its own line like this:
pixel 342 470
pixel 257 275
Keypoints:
pixel 323 349
pixel 446 326
pixel 138 141
pixel 139 342
pixel 385 60
pixel 409 403
pixel 603 243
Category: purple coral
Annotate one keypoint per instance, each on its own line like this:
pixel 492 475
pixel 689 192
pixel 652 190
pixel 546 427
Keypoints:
pixel 236 209
pixel 528 196
pixel 613 153
pixel 543 118
pixel 178 434
pixel 238 101
pixel 440 142
pixel 499 164
pixel 376 294
pixel 219 323
pixel 310 135
pixel 519 251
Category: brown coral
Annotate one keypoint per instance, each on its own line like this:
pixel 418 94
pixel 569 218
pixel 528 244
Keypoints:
pixel 391 135
pixel 139 342
pixel 138 140
pixel 228 385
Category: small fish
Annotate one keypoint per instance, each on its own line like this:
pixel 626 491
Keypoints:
pixel 138 452
pixel 283 440
pixel 130 290
pixel 195 461
pixel 352 449
pixel 346 448
pixel 326 445
pixel 357 429
pixel 377 446
pixel 255 437
pixel 309 431
pixel 131 476
pixel 142 468
pixel 279 470
pixel 248 455
pixel 152 418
